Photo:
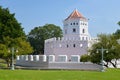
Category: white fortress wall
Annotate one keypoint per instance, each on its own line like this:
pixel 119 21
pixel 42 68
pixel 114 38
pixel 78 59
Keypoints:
pixel 41 62
pixel 32 61
pixel 66 46
pixel 44 62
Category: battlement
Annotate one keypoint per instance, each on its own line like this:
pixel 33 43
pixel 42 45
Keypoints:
pixel 34 61
pixel 95 39
pixel 67 39
pixel 47 58
pixel 42 58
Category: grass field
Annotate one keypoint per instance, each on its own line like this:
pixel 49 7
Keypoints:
pixel 110 74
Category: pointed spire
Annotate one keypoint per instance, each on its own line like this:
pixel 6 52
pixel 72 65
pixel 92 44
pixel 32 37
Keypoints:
pixel 75 14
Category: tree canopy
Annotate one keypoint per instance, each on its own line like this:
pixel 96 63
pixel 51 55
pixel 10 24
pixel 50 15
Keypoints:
pixel 38 35
pixel 85 58
pixel 110 43
pixel 9 26
pixel 117 32
pixel 11 35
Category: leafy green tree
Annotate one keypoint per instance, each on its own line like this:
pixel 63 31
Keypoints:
pixel 9 26
pixel 22 46
pixel 4 53
pixel 85 58
pixel 107 42
pixel 117 32
pixel 38 35
pixel 118 23
pixel 11 35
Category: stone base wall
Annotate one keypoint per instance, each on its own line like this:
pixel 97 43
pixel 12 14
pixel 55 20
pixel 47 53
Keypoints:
pixel 59 65
pixel 37 64
pixel 42 62
pixel 74 66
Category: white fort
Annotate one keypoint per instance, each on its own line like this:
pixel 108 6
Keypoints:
pixel 75 41
pixel 65 52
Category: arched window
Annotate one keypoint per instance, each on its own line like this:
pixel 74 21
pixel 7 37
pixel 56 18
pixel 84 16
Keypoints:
pixel 76 23
pixel 74 30
pixel 74 45
pixel 83 31
pixel 73 23
pixel 67 45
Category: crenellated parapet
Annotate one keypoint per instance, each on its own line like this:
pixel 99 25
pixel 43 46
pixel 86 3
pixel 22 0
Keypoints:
pixel 42 58
pixel 63 39
pixel 47 58
pixel 34 61
pixel 92 41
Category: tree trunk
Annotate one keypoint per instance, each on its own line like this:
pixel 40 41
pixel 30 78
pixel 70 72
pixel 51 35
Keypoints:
pixel 116 63
pixel 113 64
pixel 8 62
pixel 106 64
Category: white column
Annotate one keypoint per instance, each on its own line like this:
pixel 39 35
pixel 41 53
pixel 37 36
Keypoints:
pixel 37 57
pixel 44 58
pixel 18 57
pixel 31 57
pixel 26 57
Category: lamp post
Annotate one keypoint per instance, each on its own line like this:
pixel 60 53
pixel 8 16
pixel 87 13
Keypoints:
pixel 12 60
pixel 12 66
pixel 102 55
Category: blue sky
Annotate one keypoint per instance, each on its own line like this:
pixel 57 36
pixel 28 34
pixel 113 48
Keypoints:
pixel 103 15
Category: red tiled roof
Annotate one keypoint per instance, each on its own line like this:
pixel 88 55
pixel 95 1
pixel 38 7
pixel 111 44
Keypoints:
pixel 75 14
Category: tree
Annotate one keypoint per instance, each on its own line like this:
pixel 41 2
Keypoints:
pixel 38 35
pixel 9 26
pixel 19 44
pixel 85 58
pixel 118 23
pixel 117 32
pixel 108 42
pixel 4 53
pixel 23 47
pixel 11 35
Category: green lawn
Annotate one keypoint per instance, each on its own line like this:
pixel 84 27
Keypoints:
pixel 110 74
